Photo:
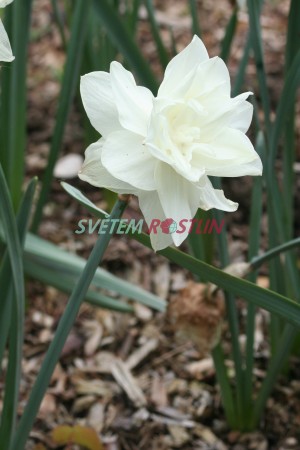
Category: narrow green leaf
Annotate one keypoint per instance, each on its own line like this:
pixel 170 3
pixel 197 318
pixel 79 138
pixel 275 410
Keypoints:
pixel 196 29
pixel 62 332
pixel 14 106
pixel 58 261
pixel 69 84
pixel 289 153
pixel 232 314
pixel 83 200
pixel 15 237
pixel 276 365
pixel 264 298
pixel 134 19
pixel 257 261
pixel 121 38
pixel 59 22
pixel 286 103
pixel 239 80
pixel 66 283
pixel 254 244
pixel 9 226
pixel 293 33
pixel 5 272
pixel 6 79
pixel 256 44
pixel 161 50
pixel 226 390
pixel 229 35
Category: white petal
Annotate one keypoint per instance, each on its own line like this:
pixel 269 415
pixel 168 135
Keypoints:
pixel 242 112
pixel 182 65
pixel 98 101
pixel 4 3
pixel 179 198
pixel 215 198
pixel 151 208
pixel 5 48
pixel 225 154
pixel 211 78
pixel 126 157
pixel 94 173
pixel 134 102
pixel 253 168
pixel 221 111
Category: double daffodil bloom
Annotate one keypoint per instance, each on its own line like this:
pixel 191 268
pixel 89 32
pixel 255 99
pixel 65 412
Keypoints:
pixel 163 149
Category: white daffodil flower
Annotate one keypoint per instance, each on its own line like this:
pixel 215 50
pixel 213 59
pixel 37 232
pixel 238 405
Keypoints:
pixel 5 48
pixel 4 3
pixel 163 149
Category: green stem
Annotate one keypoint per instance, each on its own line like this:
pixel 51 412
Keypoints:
pixel 62 332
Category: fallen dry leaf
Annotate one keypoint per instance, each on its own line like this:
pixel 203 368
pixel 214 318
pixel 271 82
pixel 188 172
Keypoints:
pixel 85 436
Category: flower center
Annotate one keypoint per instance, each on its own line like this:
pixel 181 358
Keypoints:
pixel 174 134
pixel 184 137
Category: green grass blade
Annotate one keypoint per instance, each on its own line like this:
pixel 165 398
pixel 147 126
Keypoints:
pixel 254 241
pixel 69 85
pixel 122 39
pixel 239 80
pixel 196 29
pixel 161 50
pixel 5 306
pixel 256 44
pixel 15 102
pixel 59 22
pixel 229 35
pixel 284 108
pixel 5 272
pixel 225 388
pixel 6 79
pixel 232 314
pixel 202 246
pixel 293 33
pixel 9 226
pixel 257 261
pixel 276 365
pixel 277 215
pixel 289 153
pixel 134 16
pixel 15 237
pixel 61 334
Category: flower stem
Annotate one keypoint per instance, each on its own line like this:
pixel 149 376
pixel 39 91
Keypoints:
pixel 62 332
